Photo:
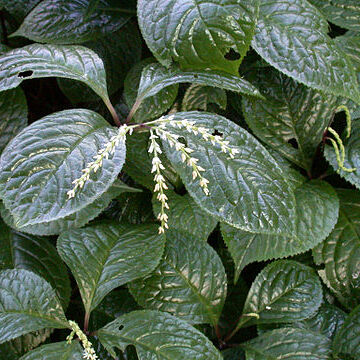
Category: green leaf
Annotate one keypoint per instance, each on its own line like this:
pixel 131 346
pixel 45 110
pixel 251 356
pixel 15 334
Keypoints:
pixel 185 215
pixel 317 209
pixel 249 192
pixel 344 13
pixel 148 107
pixel 340 252
pixel 327 321
pixel 289 343
pixel 196 34
pixel 75 220
pixel 138 162
pixel 15 348
pixel 157 335
pixel 235 353
pixel 189 282
pixel 56 351
pixel 20 251
pixel 105 256
pixel 347 340
pixel 352 160
pixel 284 291
pixel 41 163
pixel 64 22
pixel 291 112
pixel 199 97
pixel 41 61
pixel 155 77
pixel 115 304
pixel 119 51
pixel 27 303
pixel 350 43
pixel 13 114
pixel 292 37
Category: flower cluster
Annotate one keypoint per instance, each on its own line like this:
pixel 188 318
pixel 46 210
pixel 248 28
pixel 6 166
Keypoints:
pixel 93 166
pixel 89 352
pixel 160 184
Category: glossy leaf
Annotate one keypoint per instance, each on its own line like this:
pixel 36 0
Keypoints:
pixel 119 51
pixel 186 216
pixel 189 282
pixel 291 112
pixel 105 256
pixel 155 77
pixel 65 22
pixel 289 343
pixel 344 13
pixel 352 159
pixel 292 36
pixel 350 43
pixel 56 351
pixel 13 115
pixel 199 97
pixel 284 291
pixel 20 251
pixel 15 348
pixel 197 34
pixel 152 106
pixel 317 209
pixel 340 252
pixel 27 303
pixel 327 321
pixel 347 340
pixel 166 337
pixel 249 192
pixel 65 61
pixel 41 163
pixel 75 220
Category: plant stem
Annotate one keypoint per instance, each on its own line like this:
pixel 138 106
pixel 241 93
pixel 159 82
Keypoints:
pixel 86 322
pixel 242 321
pixel 113 112
pixel 133 111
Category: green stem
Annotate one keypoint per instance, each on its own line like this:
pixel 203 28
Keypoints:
pixel 242 321
pixel 133 110
pixel 86 322
pixel 113 112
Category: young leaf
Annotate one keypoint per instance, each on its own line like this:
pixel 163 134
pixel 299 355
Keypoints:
pixel 27 303
pixel 284 291
pixel 75 220
pixel 317 209
pixel 292 37
pixel 39 165
pixel 20 251
pixel 288 343
pixel 13 114
pixel 157 335
pixel 347 340
pixel 198 35
pixel 249 192
pixel 352 160
pixel 65 22
pixel 155 77
pixel 291 112
pixel 340 252
pixel 189 282
pixel 56 351
pixel 199 97
pixel 39 61
pixel 105 256
pixel 186 216
pixel 151 106
pixel 344 13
